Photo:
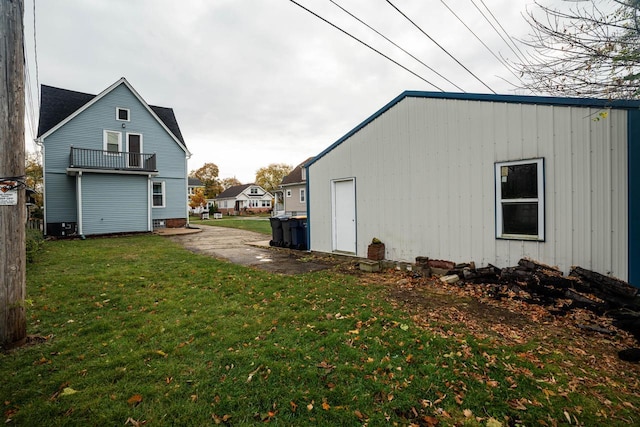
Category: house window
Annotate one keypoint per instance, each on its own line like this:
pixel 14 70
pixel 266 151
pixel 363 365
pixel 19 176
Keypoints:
pixel 304 174
pixel 520 199
pixel 112 141
pixel 254 190
pixel 302 195
pixel 158 194
pixel 288 193
pixel 266 203
pixel 122 114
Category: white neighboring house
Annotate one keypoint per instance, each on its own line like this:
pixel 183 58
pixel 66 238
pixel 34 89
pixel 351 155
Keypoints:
pixel 294 190
pixel 244 198
pixel 486 178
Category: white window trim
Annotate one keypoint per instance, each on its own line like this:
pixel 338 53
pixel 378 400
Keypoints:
pixel 105 139
pixel 164 196
pixel 303 195
pixel 288 193
pixel 118 114
pixel 539 162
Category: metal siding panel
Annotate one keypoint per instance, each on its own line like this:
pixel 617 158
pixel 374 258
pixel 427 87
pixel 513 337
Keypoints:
pixel 633 192
pixel 426 180
pixel 114 203
pixel 619 191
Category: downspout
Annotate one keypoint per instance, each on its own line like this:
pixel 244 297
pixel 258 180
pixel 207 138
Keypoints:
pixel 186 186
pixel 149 203
pixel 40 144
pixel 79 197
pixel 308 210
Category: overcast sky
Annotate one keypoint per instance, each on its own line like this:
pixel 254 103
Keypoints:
pixel 254 82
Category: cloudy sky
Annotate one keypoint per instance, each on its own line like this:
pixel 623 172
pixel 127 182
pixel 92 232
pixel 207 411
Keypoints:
pixel 254 82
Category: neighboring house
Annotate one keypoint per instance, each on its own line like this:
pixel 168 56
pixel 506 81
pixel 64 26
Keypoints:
pixel 486 178
pixel 192 185
pixel 294 190
pixel 244 198
pixel 111 162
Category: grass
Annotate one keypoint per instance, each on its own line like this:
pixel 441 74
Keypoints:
pixel 259 224
pixel 141 329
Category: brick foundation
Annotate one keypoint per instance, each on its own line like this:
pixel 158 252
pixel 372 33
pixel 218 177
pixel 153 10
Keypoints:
pixel 175 222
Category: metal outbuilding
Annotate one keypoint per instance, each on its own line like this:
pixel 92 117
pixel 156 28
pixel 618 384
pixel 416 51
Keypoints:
pixel 488 178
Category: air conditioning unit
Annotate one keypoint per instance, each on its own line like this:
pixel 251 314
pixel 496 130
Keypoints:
pixel 62 229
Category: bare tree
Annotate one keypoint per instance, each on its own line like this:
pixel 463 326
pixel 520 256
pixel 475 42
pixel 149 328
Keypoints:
pixel 589 49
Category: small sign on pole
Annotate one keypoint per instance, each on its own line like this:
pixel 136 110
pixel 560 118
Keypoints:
pixel 8 193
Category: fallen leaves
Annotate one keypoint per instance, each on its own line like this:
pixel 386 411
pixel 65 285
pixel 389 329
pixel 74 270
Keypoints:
pixel 135 400
pixel 221 419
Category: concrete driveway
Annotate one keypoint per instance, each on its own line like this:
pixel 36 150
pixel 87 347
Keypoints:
pixel 245 248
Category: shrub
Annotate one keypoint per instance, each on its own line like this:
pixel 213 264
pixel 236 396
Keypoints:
pixel 34 242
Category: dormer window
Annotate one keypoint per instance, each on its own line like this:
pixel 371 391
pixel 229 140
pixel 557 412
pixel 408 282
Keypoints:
pixel 122 114
pixel 254 190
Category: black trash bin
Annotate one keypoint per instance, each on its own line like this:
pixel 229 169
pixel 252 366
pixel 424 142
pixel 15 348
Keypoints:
pixel 276 232
pixel 298 233
pixel 286 231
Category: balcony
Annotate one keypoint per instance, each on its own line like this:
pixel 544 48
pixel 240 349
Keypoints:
pixel 84 159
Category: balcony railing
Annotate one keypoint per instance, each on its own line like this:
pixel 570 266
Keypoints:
pixel 84 158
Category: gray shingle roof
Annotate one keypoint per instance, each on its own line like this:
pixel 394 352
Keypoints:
pixel 233 191
pixel 295 176
pixel 57 104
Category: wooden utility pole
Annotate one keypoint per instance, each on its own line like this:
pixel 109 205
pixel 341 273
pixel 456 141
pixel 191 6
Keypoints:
pixel 13 323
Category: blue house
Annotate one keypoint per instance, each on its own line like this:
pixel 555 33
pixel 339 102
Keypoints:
pixel 111 162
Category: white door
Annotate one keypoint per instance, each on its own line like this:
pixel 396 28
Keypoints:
pixel 344 215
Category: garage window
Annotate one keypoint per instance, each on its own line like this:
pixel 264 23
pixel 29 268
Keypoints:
pixel 520 199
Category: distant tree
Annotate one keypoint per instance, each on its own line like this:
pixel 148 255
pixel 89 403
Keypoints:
pixel 271 176
pixel 208 175
pixel 591 48
pixel 33 172
pixel 229 182
pixel 197 199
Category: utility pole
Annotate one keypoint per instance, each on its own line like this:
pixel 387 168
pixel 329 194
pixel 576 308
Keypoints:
pixel 13 323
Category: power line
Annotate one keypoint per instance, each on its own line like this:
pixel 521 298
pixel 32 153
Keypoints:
pixel 501 60
pixel 365 44
pixel 396 45
pixel 496 30
pixel 437 44
pixel 35 52
pixel 501 27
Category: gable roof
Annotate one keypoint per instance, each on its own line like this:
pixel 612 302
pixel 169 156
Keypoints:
pixel 194 182
pixel 233 191
pixel 626 104
pixel 295 176
pixel 58 106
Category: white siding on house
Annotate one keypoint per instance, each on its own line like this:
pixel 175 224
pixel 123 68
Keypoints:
pixel 425 182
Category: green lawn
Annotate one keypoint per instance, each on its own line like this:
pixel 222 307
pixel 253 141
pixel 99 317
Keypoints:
pixel 141 330
pixel 259 224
